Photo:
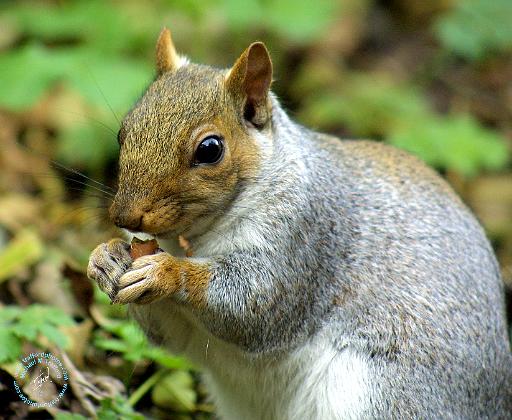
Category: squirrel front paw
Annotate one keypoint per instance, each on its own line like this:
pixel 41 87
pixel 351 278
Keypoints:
pixel 148 279
pixel 107 263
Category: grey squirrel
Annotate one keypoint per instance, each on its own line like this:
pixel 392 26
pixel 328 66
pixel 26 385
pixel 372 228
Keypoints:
pixel 329 279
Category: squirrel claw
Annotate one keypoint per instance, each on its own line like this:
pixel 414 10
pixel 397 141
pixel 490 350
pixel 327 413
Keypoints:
pixel 108 262
pixel 140 283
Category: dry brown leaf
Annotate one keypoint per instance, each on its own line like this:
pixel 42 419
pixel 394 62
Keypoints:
pixel 139 248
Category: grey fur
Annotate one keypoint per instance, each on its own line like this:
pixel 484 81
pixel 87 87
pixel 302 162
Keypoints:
pixel 415 281
pixel 365 244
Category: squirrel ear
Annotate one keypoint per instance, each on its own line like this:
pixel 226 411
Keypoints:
pixel 167 58
pixel 249 81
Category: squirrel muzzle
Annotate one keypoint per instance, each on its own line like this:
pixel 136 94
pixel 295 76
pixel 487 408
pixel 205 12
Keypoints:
pixel 126 216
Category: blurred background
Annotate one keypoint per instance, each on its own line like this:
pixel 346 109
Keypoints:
pixel 434 78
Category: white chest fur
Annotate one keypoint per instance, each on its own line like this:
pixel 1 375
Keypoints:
pixel 313 382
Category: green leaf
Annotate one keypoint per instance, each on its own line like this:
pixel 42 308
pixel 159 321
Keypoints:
pixel 111 344
pixel 109 81
pixel 10 346
pixel 85 146
pixel 104 81
pixel 43 314
pixel 69 416
pixel 24 250
pixel 117 408
pixel 9 313
pixel 175 391
pixel 457 142
pixel 36 320
pixel 108 84
pixel 131 341
pixel 25 76
pixel 298 20
pixel 54 335
pixel 27 73
pixel 373 105
pixel 130 333
pixel 476 29
pixel 101 24
pixel 168 360
pixel 25 330
pixel 368 105
pixel 240 16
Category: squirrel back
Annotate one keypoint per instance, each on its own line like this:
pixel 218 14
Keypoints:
pixel 330 279
pixel 424 287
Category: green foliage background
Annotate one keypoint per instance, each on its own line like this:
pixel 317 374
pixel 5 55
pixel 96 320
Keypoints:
pixel 430 77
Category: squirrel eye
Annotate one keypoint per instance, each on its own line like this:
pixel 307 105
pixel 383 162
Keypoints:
pixel 210 150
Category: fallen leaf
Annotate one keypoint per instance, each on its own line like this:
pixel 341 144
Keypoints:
pixel 22 251
pixel 175 391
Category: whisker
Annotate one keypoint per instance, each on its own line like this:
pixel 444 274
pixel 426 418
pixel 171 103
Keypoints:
pixel 108 190
pixel 107 193
pixel 79 211
pixel 88 117
pixel 76 172
pixel 89 194
pixel 102 94
pixel 93 217
pixel 55 164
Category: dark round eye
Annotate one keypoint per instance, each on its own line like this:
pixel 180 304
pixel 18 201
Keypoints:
pixel 210 150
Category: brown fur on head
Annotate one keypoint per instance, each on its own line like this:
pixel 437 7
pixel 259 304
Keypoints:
pixel 161 189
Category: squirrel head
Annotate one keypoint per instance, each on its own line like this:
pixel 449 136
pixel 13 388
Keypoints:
pixel 192 142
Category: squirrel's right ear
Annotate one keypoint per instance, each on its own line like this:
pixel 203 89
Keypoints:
pixel 249 83
pixel 167 58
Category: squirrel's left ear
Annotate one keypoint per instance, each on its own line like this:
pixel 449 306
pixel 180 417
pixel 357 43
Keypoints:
pixel 249 82
pixel 167 58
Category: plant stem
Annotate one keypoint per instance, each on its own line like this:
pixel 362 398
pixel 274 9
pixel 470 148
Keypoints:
pixel 145 387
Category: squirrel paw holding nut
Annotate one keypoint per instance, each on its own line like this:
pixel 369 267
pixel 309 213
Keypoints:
pixel 107 263
pixel 136 274
pixel 149 278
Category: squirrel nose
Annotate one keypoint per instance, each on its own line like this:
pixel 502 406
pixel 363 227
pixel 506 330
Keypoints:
pixel 129 221
pixel 126 218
